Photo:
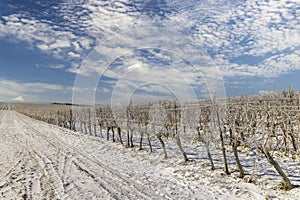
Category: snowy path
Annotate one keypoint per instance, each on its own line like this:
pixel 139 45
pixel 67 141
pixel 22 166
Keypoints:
pixel 41 161
pixel 38 165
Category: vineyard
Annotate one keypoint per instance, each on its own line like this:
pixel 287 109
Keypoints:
pixel 4 106
pixel 264 129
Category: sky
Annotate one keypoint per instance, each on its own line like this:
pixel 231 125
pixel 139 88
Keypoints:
pixel 93 51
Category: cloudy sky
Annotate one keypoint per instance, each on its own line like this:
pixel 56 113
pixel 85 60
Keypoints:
pixel 148 49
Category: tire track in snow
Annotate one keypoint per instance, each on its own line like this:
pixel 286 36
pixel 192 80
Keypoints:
pixel 50 173
pixel 25 173
pixel 12 175
pixel 42 160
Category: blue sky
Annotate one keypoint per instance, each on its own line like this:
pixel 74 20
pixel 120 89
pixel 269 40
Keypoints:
pixel 148 49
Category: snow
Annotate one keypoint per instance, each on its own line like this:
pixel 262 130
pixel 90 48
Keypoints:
pixel 43 161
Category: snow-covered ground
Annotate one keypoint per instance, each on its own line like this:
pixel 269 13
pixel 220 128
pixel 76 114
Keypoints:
pixel 43 161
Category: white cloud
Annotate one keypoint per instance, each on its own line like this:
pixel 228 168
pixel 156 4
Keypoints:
pixel 253 28
pixel 226 29
pixel 281 63
pixel 73 55
pixel 271 32
pixel 41 34
pixel 76 46
pixel 57 66
pixel 43 47
pixel 61 43
pixel 18 98
pixel 85 42
pixel 12 18
pixel 10 89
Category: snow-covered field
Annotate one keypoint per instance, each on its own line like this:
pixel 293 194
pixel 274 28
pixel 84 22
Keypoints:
pixel 43 161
